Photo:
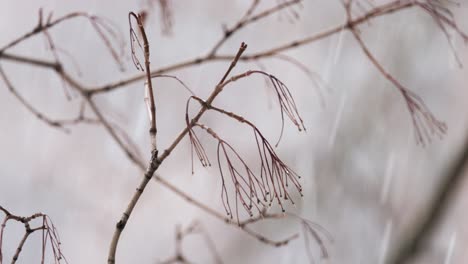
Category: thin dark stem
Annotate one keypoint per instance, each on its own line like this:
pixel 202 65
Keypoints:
pixel 156 161
pixel 149 89
pixel 29 107
pixel 424 122
pixel 48 230
pixel 249 19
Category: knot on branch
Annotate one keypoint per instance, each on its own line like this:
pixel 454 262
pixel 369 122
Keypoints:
pixel 121 224
pixel 58 67
pixel 227 33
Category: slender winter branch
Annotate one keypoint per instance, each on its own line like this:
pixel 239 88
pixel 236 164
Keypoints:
pixel 442 16
pixel 49 234
pixel 432 217
pixel 149 84
pixel 181 234
pixel 156 161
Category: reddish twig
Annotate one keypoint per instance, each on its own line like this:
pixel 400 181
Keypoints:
pixel 425 124
pixel 149 89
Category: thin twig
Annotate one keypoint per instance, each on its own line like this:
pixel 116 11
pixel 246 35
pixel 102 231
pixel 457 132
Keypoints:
pixel 48 230
pixel 149 89
pixel 194 228
pixel 249 19
pixel 104 28
pixel 425 123
pixel 156 161
pixel 29 107
pixel 374 13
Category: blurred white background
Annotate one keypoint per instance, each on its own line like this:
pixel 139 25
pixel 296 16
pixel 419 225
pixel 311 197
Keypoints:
pixel 365 179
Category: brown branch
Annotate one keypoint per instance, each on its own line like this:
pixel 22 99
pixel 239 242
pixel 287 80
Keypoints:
pixel 30 61
pixel 252 190
pixel 156 161
pixel 153 165
pixel 314 77
pixel 438 207
pixel 59 124
pixel 249 19
pixel 376 12
pixel 243 225
pixel 103 28
pixel 309 229
pixel 219 216
pixel 165 14
pixel 138 162
pixel 181 234
pixel 133 157
pixel 149 89
pixel 250 10
pixel 88 93
pixel 29 107
pixel 285 99
pixel 111 129
pixel 49 234
pixel 425 124
pixel 175 78
pixel 23 240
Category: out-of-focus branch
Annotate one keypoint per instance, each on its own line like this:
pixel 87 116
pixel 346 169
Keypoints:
pixel 432 217
pixel 59 124
pixel 375 12
pixel 247 19
pixel 242 225
pixel 28 105
pixel 106 31
pixel 181 234
pixel 27 60
pixel 424 122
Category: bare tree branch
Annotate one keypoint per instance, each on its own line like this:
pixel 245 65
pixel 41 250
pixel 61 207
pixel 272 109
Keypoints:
pixel 49 234
pixel 424 122
pixel 437 209
pixel 156 161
